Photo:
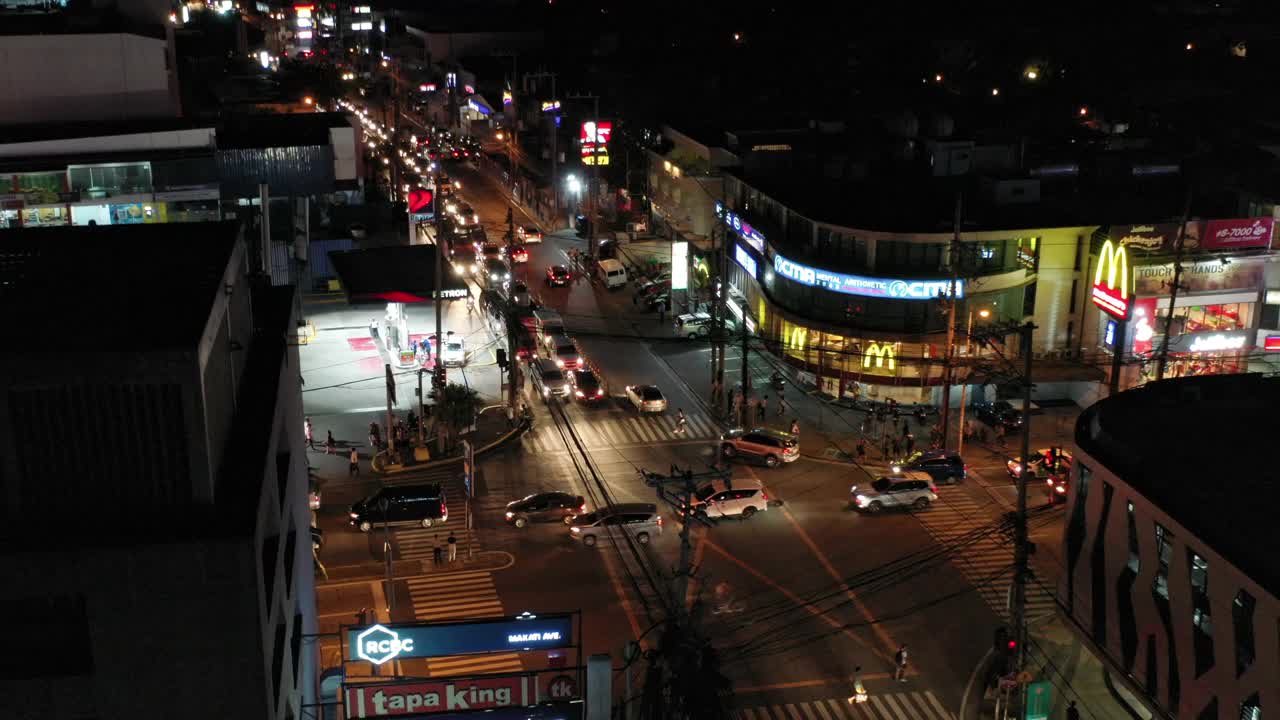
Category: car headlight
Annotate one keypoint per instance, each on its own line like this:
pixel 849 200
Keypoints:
pixel 575 530
pixel 546 391
pixel 559 363
pixel 861 500
pixel 510 514
pixel 1061 489
pixel 578 393
pixel 897 468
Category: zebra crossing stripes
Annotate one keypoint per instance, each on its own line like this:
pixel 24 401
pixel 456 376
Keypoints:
pixel 418 543
pixel 607 431
pixel 987 563
pixel 466 595
pixel 920 705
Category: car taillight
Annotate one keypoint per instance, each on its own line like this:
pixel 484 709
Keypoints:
pixel 933 489
pixel 582 508
pixel 764 496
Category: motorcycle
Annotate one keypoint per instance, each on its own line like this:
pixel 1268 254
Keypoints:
pixel 777 381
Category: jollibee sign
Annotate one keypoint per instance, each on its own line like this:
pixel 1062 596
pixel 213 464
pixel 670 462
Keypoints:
pixel 416 698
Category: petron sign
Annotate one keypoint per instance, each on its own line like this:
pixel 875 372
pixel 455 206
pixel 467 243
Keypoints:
pixel 862 285
pixel 379 643
pixel 1111 280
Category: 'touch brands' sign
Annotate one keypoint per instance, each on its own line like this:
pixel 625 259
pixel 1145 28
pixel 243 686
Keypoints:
pixel 863 285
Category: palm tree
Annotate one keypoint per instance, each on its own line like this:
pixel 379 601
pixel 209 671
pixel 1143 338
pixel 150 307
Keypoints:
pixel 456 409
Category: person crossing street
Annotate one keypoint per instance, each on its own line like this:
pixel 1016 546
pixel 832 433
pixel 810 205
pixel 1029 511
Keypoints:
pixel 682 423
pixel 900 664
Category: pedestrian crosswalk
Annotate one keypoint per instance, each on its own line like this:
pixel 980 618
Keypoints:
pixel 418 543
pixel 619 429
pixel 921 705
pixel 467 595
pixel 987 563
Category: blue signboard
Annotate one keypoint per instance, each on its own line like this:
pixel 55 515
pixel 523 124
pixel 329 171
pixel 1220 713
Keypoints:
pixel 744 259
pixel 753 237
pixel 862 285
pixel 1109 337
pixel 379 643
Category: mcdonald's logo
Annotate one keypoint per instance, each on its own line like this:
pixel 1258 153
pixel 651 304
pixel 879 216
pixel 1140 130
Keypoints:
pixel 879 357
pixel 1111 281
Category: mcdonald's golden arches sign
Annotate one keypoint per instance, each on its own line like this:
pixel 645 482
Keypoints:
pixel 1111 280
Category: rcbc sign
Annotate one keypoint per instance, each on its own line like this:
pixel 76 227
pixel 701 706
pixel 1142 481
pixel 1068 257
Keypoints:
pixel 378 645
pixel 1111 281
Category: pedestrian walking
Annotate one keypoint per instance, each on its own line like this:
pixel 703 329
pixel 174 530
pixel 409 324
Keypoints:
pixel 355 463
pixel 862 450
pixel 1073 712
pixel 453 547
pixel 437 552
pixel 373 328
pixel 662 312
pixel 735 401
pixel 795 427
pixel 375 436
pixel 910 441
pixel 859 690
pixel 329 443
pixel 762 409
pixel 311 437
pixel 781 404
pixel 906 427
pixel 897 446
pixel 900 664
pixel 681 423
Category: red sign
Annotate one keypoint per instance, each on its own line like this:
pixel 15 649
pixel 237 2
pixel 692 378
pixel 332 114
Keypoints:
pixel 596 132
pixel 1144 325
pixel 1271 343
pixel 419 200
pixel 1233 234
pixel 418 698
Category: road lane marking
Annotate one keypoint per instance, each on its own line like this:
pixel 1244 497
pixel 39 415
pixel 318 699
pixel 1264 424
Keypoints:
pixel 890 646
pixel 893 705
pixel 809 683
pixel 809 607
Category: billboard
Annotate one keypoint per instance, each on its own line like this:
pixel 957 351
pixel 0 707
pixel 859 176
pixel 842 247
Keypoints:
pixel 1238 234
pixel 679 265
pixel 380 643
pixel 1156 238
pixel 451 695
pixel 595 136
pixel 862 285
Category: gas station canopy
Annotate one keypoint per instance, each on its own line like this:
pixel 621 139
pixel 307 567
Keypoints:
pixel 398 274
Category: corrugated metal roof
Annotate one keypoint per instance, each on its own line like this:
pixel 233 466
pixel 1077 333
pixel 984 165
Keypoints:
pixel 305 170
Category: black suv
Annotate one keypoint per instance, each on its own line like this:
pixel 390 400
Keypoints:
pixel 944 466
pixel 545 507
pixel 999 413
pixel 403 504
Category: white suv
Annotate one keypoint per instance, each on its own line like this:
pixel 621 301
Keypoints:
pixel 910 489
pixel 743 502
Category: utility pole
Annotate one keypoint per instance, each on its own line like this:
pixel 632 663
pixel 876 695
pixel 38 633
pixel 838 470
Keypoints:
pixel 719 310
pixel 1022 549
pixel 1162 359
pixel 951 325
pixel 555 132
pixel 746 381
pixel 438 372
pixel 592 250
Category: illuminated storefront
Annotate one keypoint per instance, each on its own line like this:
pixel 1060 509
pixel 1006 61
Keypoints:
pixel 1214 320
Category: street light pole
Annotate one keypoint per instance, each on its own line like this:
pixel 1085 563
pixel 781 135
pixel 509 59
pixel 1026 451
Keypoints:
pixel 951 326
pixel 1021 548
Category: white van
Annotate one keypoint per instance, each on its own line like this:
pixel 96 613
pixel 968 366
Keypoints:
pixel 612 274
pixel 549 324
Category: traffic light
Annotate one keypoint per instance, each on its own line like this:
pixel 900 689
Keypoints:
pixel 501 356
pixel 852 311
pixel 1004 647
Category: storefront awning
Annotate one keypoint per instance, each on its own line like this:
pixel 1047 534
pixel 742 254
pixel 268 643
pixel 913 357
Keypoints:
pixel 403 273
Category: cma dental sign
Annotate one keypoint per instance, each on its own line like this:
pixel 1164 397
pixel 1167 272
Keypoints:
pixel 864 286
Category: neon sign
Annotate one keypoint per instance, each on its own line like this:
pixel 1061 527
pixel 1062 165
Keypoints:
pixel 1111 281
pixel 865 286
pixel 550 105
pixel 882 355
pixel 1217 342
pixel 744 259
pixel 378 645
pixel 753 237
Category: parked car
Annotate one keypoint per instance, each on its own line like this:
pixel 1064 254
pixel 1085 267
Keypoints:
pixel 587 387
pixel 548 379
pixel 699 325
pixel 545 507
pixel 559 276
pixel 453 352
pixel 911 489
pixel 999 413
pixel 401 504
pixel 640 521
pixel 736 502
pixel 944 466
pixel 646 398
pixel 529 234
pixel 772 447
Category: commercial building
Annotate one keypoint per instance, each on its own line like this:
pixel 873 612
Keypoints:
pixel 153 501
pixel 1170 576
pixel 1226 307
pixel 845 277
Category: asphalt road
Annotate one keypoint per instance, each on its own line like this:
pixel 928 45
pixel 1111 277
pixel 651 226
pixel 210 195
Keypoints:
pixel 820 589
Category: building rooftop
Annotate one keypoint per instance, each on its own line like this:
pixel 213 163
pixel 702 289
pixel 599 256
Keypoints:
pixel 1196 448
pixel 114 287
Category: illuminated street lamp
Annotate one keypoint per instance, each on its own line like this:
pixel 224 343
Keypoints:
pixel 984 313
